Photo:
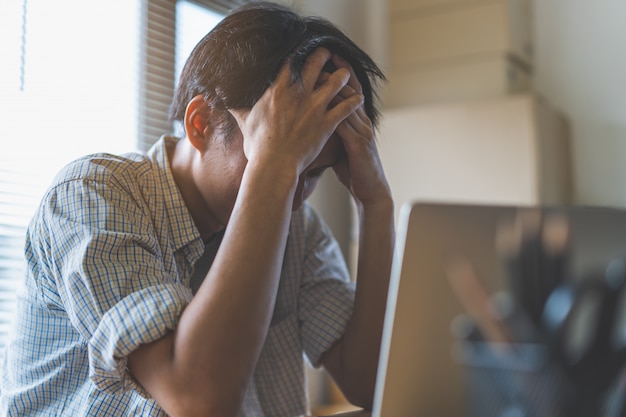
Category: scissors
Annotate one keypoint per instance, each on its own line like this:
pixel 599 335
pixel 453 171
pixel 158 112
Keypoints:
pixel 586 326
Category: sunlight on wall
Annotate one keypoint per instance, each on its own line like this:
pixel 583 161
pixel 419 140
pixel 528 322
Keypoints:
pixel 68 86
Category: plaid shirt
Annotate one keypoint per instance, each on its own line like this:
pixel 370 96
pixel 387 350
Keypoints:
pixel 110 254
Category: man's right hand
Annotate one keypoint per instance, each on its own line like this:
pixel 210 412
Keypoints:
pixel 291 122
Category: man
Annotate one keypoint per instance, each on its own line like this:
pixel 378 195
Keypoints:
pixel 191 280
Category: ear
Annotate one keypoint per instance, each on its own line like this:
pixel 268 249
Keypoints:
pixel 198 122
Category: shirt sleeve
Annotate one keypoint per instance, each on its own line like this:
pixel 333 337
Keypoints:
pixel 327 294
pixel 141 317
pixel 104 269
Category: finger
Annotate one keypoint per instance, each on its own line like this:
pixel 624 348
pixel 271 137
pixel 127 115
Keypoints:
pixel 356 123
pixel 313 67
pixel 348 91
pixel 324 76
pixel 240 115
pixel 362 120
pixel 345 92
pixel 354 81
pixel 358 120
pixel 330 89
pixel 348 129
pixel 347 133
pixel 284 75
pixel 343 109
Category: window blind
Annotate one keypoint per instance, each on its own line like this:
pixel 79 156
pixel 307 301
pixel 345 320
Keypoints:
pixel 24 177
pixel 16 202
pixel 51 115
pixel 223 6
pixel 156 69
pixel 157 76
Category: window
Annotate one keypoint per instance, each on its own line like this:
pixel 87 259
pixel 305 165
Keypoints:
pixel 68 88
pixel 170 30
pixel 73 83
pixel 193 21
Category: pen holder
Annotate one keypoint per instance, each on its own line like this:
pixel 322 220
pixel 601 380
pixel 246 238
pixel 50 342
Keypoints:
pixel 525 382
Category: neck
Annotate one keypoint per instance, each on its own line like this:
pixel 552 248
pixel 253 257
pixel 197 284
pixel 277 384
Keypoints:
pixel 182 158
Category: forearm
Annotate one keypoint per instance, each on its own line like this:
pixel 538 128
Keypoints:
pixel 209 359
pixel 360 345
pixel 205 365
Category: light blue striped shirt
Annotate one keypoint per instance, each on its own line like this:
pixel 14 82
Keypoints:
pixel 110 253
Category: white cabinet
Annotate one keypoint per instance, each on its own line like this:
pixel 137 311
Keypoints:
pixel 426 36
pixel 489 76
pixel 505 150
pixel 442 50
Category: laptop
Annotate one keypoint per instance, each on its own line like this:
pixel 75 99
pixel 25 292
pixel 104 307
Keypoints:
pixel 419 373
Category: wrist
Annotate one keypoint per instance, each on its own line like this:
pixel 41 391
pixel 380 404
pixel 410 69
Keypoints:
pixel 272 177
pixel 378 214
pixel 380 207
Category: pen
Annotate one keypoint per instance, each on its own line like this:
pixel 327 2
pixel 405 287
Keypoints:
pixel 534 252
pixel 514 247
pixel 555 242
pixel 476 301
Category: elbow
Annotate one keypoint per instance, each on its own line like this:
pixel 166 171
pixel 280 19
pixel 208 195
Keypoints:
pixel 203 405
pixel 356 377
pixel 360 390
pixel 200 397
pixel 363 398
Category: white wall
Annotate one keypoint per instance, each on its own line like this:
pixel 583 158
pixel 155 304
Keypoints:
pixel 581 68
pixel 364 21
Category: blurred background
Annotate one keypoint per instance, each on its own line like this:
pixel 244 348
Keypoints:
pixel 503 101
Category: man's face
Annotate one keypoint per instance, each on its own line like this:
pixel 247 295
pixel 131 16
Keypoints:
pixel 328 157
pixel 226 163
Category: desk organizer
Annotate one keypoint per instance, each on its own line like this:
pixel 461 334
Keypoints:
pixel 524 381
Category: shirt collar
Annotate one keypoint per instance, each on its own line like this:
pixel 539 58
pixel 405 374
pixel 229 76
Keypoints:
pixel 182 226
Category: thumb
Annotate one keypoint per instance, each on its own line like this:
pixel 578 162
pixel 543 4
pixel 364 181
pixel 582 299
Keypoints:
pixel 240 116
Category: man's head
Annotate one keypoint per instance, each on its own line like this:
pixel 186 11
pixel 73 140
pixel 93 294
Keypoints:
pixel 233 65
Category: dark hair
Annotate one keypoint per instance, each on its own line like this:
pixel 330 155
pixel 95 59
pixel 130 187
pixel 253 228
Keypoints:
pixel 236 62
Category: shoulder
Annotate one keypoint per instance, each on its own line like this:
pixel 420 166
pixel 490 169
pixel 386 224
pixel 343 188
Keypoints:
pixel 95 189
pixel 131 173
pixel 102 168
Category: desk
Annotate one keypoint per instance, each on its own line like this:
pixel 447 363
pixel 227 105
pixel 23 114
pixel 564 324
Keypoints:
pixel 358 413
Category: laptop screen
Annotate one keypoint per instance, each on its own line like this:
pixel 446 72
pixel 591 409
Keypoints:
pixel 421 372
